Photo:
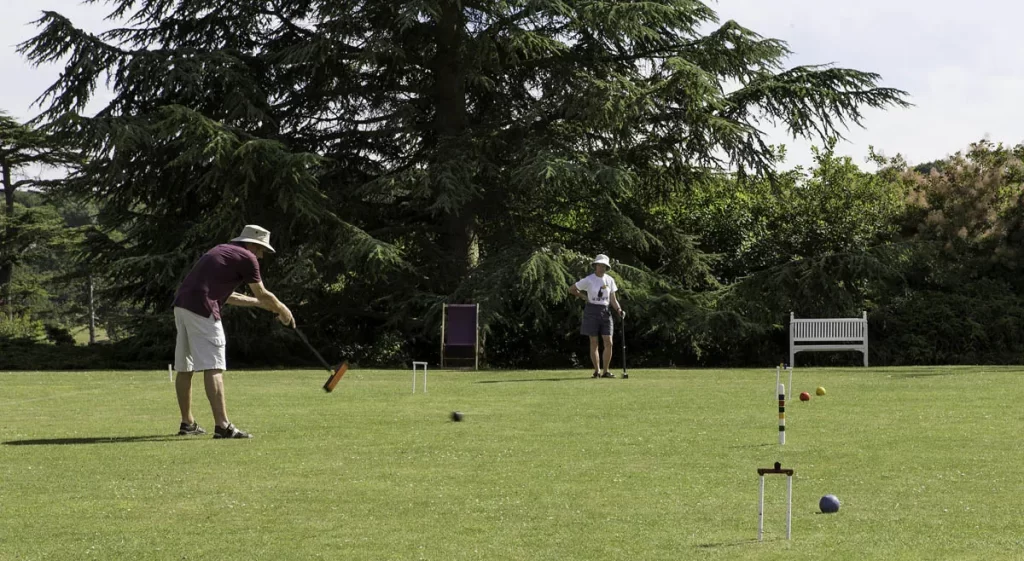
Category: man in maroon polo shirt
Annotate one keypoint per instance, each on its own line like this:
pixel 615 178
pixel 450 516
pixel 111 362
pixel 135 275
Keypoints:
pixel 201 342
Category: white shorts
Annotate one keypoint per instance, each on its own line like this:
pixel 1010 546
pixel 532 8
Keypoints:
pixel 201 343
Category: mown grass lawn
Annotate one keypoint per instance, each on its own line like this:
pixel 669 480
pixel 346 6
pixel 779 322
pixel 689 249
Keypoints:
pixel 546 466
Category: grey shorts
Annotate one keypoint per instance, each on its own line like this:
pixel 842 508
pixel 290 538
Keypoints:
pixel 597 320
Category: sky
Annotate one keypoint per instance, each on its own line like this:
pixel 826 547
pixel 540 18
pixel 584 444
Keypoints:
pixel 961 63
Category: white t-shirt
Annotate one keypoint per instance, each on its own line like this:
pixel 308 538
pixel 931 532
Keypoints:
pixel 598 289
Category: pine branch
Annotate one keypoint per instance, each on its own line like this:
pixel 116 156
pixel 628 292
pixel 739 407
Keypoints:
pixel 815 99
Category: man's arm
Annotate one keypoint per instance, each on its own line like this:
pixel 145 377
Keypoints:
pixel 269 302
pixel 615 304
pixel 244 301
pixel 576 292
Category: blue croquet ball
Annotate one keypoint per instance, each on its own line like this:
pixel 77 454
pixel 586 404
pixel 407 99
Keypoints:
pixel 829 504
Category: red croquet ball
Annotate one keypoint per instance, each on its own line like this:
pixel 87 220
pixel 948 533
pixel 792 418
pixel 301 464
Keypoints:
pixel 804 396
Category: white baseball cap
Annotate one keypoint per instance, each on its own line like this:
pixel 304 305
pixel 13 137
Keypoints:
pixel 257 235
pixel 602 259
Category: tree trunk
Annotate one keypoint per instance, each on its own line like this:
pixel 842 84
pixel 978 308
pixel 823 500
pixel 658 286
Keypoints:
pixel 92 314
pixel 458 232
pixel 7 266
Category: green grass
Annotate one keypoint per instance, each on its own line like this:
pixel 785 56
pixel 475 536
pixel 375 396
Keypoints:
pixel 546 466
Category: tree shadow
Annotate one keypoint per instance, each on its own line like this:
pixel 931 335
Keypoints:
pixel 534 380
pixel 929 372
pixel 726 544
pixel 99 440
pixel 933 375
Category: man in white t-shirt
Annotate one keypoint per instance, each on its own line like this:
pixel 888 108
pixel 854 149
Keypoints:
pixel 599 291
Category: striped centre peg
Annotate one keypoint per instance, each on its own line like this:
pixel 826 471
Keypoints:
pixel 782 414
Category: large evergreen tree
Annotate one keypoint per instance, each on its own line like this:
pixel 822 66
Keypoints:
pixel 407 153
pixel 23 148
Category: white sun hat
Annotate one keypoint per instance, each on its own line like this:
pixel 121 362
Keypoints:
pixel 255 234
pixel 602 259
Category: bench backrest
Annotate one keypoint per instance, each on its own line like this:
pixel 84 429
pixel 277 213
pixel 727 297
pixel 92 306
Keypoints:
pixel 834 329
pixel 461 325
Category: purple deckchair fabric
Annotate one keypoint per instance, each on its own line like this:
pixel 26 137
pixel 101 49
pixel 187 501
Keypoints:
pixel 461 328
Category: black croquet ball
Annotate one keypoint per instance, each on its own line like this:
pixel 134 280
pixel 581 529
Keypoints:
pixel 829 504
pixel 456 416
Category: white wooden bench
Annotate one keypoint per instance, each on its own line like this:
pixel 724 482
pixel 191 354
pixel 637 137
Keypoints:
pixel 842 334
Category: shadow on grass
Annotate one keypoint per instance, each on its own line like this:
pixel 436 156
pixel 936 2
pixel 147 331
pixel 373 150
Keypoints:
pixel 930 372
pixel 922 375
pixel 99 440
pixel 534 380
pixel 726 544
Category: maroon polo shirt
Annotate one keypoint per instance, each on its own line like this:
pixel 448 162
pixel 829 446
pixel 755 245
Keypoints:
pixel 214 277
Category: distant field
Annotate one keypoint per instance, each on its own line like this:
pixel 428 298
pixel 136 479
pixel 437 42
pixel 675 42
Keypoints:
pixel 546 466
pixel 81 335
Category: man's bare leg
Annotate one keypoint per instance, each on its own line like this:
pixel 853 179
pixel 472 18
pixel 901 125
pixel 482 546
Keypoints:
pixel 183 386
pixel 214 380
pixel 607 351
